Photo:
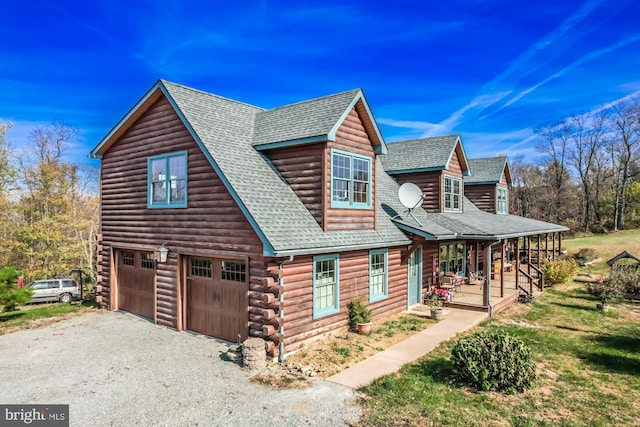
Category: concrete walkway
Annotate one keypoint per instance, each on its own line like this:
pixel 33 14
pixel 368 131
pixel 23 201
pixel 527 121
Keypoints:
pixel 409 350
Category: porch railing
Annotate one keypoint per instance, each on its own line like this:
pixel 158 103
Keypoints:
pixel 526 281
pixel 539 276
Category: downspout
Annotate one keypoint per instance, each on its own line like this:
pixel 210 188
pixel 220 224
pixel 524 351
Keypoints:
pixel 489 260
pixel 281 310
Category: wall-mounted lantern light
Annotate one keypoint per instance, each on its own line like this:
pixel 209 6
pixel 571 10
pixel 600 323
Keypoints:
pixel 161 254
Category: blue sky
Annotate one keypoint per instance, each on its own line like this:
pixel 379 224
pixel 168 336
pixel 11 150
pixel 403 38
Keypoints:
pixel 489 70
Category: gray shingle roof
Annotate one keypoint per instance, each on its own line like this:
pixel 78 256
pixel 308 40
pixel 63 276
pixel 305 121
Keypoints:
pixel 421 154
pixel 224 128
pixel 302 120
pixel 487 170
pixel 477 224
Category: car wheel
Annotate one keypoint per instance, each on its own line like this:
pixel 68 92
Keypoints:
pixel 65 298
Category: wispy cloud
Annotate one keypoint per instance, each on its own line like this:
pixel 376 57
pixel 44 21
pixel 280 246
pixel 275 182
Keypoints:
pixel 478 103
pixel 104 35
pixel 502 85
pixel 524 61
pixel 586 58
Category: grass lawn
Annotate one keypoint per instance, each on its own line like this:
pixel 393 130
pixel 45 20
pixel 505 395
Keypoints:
pixel 588 365
pixel 40 314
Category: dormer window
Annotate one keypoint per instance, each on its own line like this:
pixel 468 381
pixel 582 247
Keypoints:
pixel 452 194
pixel 502 201
pixel 350 180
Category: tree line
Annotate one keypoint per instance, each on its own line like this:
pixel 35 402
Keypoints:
pixel 48 205
pixel 587 173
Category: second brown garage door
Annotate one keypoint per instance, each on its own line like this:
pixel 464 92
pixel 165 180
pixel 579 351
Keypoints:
pixel 136 281
pixel 217 298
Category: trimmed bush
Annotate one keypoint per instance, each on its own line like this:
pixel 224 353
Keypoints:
pixel 493 361
pixel 559 271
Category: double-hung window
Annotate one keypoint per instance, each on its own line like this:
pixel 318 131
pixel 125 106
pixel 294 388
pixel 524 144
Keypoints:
pixel 167 180
pixel 378 275
pixel 326 296
pixel 350 180
pixel 503 205
pixel 452 194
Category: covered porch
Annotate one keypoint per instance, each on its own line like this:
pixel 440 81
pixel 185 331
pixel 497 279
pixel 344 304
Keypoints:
pixel 494 273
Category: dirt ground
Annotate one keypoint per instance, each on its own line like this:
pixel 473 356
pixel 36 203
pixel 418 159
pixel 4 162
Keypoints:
pixel 336 353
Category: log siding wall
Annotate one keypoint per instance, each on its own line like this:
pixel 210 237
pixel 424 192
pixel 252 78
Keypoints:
pixel 299 325
pixel 483 196
pixel 212 224
pixel 430 184
pixel 302 168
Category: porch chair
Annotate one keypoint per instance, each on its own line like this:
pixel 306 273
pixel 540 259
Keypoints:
pixel 446 282
pixel 473 275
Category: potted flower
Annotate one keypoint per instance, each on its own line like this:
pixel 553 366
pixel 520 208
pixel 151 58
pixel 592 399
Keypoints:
pixel 442 294
pixel 359 316
pixel 436 308
pixel 605 291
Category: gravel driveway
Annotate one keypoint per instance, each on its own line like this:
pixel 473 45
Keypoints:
pixel 116 369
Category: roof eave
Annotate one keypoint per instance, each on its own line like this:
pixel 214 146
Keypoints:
pixel 414 170
pixel 423 233
pixel 292 142
pixel 482 183
pixel 332 249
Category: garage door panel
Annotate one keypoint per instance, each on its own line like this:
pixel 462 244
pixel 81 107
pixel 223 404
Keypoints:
pixel 136 278
pixel 215 306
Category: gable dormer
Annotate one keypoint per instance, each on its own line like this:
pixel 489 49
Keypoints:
pixel 488 184
pixel 437 165
pixel 325 150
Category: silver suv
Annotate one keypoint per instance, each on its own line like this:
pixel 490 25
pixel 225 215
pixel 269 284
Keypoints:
pixel 63 290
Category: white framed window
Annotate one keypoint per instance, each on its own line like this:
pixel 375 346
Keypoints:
pixel 503 201
pixel 350 180
pixel 167 180
pixel 452 194
pixel 378 275
pixel 326 289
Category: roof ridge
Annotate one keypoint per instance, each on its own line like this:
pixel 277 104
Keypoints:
pixel 426 138
pixel 312 100
pixel 235 101
pixel 499 156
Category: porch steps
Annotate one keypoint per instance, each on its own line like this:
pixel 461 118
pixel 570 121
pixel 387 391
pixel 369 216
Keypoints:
pixel 498 307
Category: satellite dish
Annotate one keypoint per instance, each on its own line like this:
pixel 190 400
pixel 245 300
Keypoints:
pixel 410 196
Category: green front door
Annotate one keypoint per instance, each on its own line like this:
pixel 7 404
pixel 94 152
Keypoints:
pixel 414 290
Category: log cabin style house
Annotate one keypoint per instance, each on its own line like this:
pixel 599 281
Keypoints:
pixel 236 221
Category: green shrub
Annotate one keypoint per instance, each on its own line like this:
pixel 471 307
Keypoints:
pixel 626 278
pixel 10 295
pixel 493 361
pixel 559 271
pixel 358 313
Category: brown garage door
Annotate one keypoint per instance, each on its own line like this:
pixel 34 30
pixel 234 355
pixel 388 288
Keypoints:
pixel 217 298
pixel 136 277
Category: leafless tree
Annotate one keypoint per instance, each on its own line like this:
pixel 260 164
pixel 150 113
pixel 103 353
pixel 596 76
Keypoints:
pixel 623 148
pixel 586 134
